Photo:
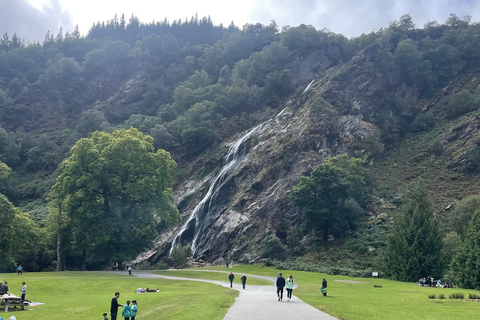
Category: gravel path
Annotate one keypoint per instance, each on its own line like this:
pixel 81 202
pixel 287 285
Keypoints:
pixel 257 302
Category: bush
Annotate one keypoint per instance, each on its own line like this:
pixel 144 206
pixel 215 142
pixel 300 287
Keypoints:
pixel 473 296
pixel 272 248
pixel 431 296
pixel 441 296
pixel 456 296
pixel 472 158
pixel 315 267
pixel 461 103
pixel 181 255
pixel 161 266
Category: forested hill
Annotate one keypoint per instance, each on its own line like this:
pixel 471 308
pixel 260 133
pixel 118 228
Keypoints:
pixel 403 98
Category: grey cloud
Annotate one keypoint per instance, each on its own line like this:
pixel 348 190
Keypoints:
pixel 30 23
pixel 354 17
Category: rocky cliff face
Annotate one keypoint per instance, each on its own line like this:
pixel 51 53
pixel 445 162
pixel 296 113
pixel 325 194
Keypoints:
pixel 307 131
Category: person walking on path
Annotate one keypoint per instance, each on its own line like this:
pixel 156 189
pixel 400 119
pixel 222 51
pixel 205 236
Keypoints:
pixel 20 270
pixel 324 287
pixel 24 291
pixel 114 306
pixel 243 280
pixel 134 310
pixel 231 277
pixel 280 286
pixel 127 311
pixel 129 270
pixel 289 287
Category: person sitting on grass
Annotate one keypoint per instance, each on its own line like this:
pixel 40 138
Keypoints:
pixel 127 311
pixel 105 316
pixel 134 310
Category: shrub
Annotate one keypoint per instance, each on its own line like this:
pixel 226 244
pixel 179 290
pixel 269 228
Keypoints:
pixel 161 266
pixel 456 296
pixel 376 286
pixel 472 158
pixel 431 296
pixel 180 256
pixel 461 103
pixel 441 296
pixel 272 248
pixel 473 296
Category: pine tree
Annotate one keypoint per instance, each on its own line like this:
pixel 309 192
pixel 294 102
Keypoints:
pixel 465 266
pixel 414 249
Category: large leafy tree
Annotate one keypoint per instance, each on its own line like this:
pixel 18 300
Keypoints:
pixel 414 247
pixel 466 263
pixel 331 197
pixel 114 193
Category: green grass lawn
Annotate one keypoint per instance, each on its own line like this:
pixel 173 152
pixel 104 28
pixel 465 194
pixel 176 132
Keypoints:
pixel 362 301
pixel 213 276
pixel 86 295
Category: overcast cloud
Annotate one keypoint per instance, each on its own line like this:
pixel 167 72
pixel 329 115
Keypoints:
pixel 29 22
pixel 32 18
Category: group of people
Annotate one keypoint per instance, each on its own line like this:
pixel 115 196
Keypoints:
pixel 430 282
pixel 281 284
pixel 4 289
pixel 129 311
pixel 243 279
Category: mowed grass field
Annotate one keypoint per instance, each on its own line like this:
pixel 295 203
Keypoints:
pixel 213 276
pixel 349 300
pixel 87 295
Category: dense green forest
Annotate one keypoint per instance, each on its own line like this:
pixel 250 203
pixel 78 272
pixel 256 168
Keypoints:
pixel 192 84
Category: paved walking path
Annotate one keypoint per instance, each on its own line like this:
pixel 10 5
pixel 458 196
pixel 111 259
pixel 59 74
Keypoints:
pixel 257 302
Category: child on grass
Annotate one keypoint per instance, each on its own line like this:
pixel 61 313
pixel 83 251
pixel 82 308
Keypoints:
pixel 134 310
pixel 127 311
pixel 105 316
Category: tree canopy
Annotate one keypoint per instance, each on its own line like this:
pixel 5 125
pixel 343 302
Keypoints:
pixel 331 197
pixel 414 248
pixel 116 193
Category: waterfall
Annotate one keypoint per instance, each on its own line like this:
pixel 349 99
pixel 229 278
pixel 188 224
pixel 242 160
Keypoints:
pixel 308 87
pixel 203 210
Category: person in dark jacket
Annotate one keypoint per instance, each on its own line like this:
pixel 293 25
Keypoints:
pixel 243 280
pixel 114 306
pixel 231 277
pixel 4 288
pixel 280 286
pixel 324 287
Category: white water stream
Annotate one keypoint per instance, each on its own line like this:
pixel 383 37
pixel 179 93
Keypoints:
pixel 203 210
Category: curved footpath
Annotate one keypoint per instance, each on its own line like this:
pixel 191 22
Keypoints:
pixel 257 302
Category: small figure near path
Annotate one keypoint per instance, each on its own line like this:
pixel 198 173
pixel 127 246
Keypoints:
pixel 231 277
pixel 280 286
pixel 324 287
pixel 114 306
pixel 129 270
pixel 289 287
pixel 20 270
pixel 243 280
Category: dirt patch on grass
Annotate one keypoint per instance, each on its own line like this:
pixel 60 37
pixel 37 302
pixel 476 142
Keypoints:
pixel 351 281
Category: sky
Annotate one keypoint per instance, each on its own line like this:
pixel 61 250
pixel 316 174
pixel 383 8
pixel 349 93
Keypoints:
pixel 31 19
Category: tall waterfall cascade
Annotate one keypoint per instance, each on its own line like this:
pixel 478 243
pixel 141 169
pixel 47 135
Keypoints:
pixel 197 220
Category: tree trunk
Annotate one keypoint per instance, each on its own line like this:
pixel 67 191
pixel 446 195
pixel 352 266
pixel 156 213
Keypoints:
pixel 325 233
pixel 60 266
pixel 84 259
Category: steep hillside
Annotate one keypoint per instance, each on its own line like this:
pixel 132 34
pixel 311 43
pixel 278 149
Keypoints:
pixel 245 113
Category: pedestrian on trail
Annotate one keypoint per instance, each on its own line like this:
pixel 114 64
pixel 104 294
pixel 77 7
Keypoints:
pixel 114 306
pixel 231 277
pixel 20 270
pixel 324 287
pixel 243 280
pixel 24 291
pixel 127 311
pixel 289 287
pixel 129 270
pixel 134 309
pixel 280 286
